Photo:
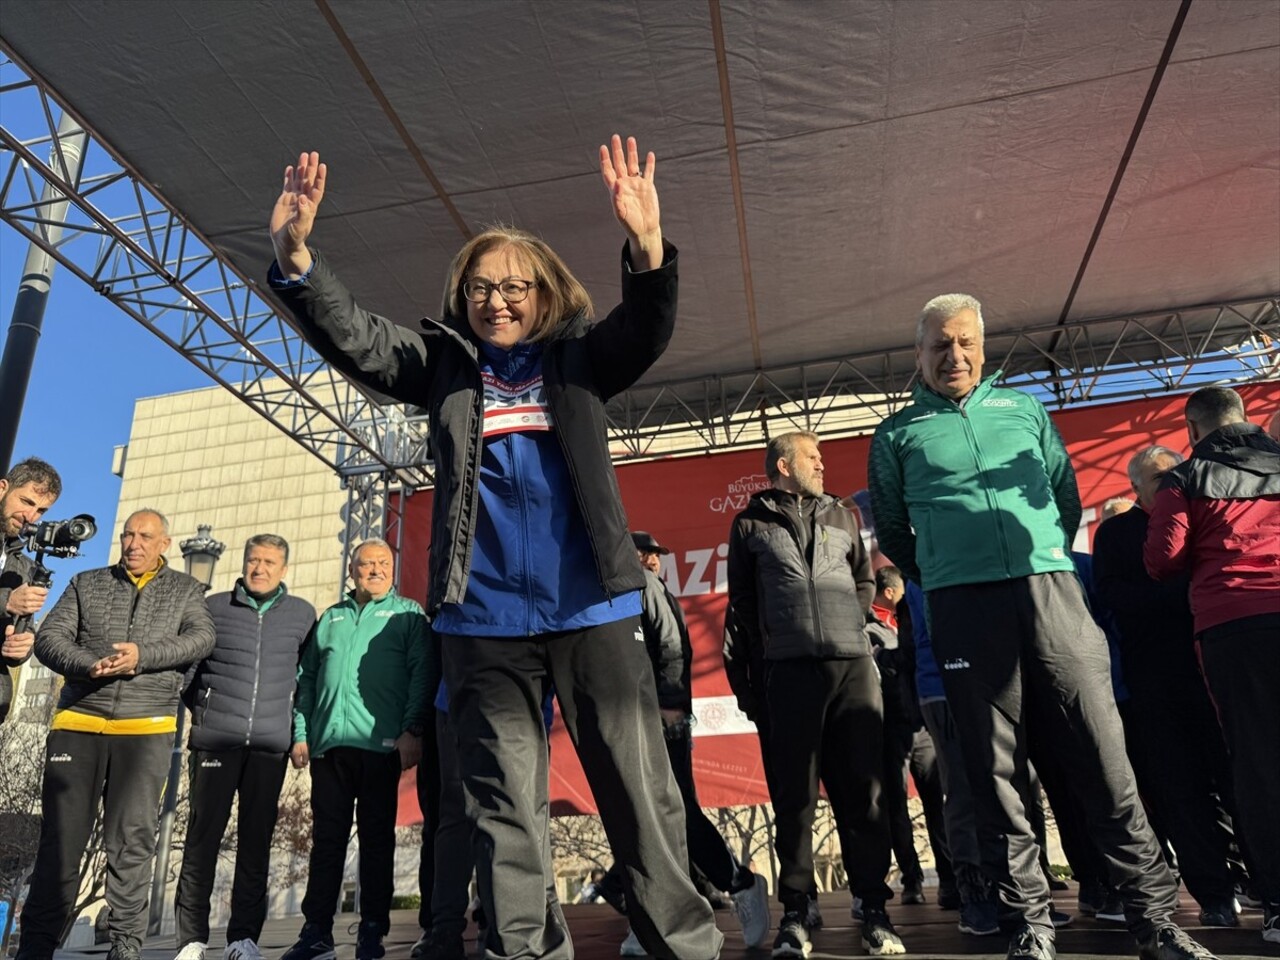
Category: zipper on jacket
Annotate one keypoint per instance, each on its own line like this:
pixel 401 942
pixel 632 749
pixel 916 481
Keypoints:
pixel 517 480
pixel 820 634
pixel 475 439
pixel 992 504
pixel 552 394
pixel 257 676
pixel 469 483
pixel 128 636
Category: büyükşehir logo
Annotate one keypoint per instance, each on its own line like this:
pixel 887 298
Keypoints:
pixel 738 492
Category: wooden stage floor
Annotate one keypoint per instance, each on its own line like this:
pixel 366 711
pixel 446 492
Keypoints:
pixel 929 934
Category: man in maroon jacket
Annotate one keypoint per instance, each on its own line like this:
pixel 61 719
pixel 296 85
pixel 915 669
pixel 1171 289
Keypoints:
pixel 1218 516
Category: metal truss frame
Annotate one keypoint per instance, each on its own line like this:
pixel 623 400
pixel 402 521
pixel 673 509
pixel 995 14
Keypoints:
pixel 121 237
pixel 154 265
pixel 1081 362
pixel 375 508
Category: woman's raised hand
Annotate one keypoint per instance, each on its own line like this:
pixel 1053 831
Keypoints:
pixel 295 213
pixel 635 199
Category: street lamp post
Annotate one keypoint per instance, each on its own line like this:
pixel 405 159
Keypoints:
pixel 200 554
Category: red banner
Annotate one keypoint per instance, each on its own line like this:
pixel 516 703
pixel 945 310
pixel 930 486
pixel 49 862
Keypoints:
pixel 689 504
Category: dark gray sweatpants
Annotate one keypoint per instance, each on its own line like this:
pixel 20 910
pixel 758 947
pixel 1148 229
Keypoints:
pixel 604 683
pixel 1012 646
pixel 127 774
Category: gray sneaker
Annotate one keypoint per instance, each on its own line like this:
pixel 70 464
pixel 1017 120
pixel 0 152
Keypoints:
pixel 752 908
pixel 793 938
pixel 1171 943
pixel 1027 944
pixel 878 935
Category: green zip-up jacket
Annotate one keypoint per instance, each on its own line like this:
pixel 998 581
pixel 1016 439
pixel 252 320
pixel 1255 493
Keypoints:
pixel 362 679
pixel 973 492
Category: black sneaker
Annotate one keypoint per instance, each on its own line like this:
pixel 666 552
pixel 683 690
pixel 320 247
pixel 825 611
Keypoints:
pixel 981 918
pixel 878 935
pixel 948 897
pixel 1171 943
pixel 812 915
pixel 369 941
pixel 438 945
pixel 124 950
pixel 1219 915
pixel 913 893
pixel 313 944
pixel 1027 944
pixel 792 939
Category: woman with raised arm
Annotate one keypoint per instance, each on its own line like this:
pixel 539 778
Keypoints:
pixel 533 576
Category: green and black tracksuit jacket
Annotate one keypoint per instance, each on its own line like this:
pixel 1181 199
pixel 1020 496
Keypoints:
pixel 973 492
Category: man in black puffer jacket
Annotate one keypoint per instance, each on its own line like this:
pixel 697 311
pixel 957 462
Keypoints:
pixel 241 730
pixel 123 637
pixel 800 587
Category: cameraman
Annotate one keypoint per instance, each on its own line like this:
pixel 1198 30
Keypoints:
pixel 28 490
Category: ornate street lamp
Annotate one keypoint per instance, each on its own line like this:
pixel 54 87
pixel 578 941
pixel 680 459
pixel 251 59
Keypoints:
pixel 200 554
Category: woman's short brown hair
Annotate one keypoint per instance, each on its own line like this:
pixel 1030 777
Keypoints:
pixel 563 296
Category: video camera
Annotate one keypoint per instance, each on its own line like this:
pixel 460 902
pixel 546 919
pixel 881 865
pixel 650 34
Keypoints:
pixel 58 538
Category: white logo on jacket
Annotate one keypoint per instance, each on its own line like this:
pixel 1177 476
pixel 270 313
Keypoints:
pixel 956 663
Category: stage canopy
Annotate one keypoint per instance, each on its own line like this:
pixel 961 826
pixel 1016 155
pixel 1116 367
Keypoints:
pixel 824 167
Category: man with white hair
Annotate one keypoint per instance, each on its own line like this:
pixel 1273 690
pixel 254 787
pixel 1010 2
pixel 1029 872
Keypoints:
pixel 358 721
pixel 1173 739
pixel 975 499
pixel 1217 516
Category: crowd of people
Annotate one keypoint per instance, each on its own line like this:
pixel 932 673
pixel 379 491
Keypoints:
pixel 976 651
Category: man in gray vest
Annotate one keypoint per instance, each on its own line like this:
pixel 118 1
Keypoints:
pixel 242 729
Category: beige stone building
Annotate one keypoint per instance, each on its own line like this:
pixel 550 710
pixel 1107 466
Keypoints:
pixel 205 457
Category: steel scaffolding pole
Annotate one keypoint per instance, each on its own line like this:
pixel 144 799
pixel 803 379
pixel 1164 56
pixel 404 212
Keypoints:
pixel 123 239
pixel 66 156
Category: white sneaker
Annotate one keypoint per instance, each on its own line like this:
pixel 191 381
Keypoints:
pixel 244 949
pixel 631 946
pixel 752 907
pixel 192 951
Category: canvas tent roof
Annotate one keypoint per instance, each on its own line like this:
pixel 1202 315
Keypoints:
pixel 882 152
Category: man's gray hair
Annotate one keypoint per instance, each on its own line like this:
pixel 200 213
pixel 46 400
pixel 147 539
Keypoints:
pixel 784 447
pixel 1150 455
pixel 371 542
pixel 164 521
pixel 944 308
pixel 267 540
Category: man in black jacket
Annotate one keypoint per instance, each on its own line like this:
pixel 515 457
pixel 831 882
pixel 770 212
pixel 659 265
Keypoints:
pixel 1217 516
pixel 671 652
pixel 123 637
pixel 241 731
pixel 30 488
pixel 800 587
pixel 1174 744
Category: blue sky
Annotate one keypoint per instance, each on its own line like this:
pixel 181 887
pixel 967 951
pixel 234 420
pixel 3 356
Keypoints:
pixel 92 363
